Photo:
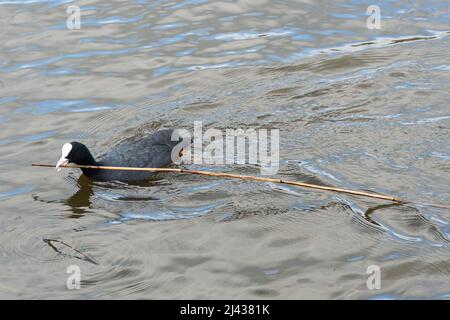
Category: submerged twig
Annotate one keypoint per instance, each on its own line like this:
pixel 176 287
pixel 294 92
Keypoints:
pixel 255 178
pixel 83 255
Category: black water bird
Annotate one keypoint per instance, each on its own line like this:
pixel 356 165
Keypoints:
pixel 152 151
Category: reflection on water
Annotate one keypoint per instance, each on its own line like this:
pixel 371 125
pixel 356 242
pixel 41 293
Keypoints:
pixel 80 201
pixel 356 108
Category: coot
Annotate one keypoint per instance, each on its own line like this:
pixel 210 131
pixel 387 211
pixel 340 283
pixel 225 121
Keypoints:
pixel 152 151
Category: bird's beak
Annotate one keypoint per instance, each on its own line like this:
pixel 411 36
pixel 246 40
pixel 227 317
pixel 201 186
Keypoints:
pixel 63 161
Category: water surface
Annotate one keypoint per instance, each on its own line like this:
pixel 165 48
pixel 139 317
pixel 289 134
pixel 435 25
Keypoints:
pixel 356 108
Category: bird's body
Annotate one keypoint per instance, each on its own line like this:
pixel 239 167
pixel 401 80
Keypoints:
pixel 152 151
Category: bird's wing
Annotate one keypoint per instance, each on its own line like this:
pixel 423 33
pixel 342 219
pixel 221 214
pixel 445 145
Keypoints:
pixel 139 154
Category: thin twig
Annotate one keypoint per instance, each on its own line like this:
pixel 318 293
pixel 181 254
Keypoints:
pixel 84 256
pixel 255 178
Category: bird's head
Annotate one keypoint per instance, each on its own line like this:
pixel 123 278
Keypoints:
pixel 75 152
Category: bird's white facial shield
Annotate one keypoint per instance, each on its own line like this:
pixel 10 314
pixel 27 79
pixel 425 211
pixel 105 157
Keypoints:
pixel 67 147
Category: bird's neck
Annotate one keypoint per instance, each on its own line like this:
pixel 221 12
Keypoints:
pixel 89 161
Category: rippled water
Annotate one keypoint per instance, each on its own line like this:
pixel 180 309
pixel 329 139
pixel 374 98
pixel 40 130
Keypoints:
pixel 356 108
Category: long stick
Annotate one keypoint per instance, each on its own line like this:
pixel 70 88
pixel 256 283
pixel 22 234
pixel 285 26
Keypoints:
pixel 253 178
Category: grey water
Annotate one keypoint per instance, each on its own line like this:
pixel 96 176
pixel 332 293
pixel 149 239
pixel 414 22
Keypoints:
pixel 358 108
